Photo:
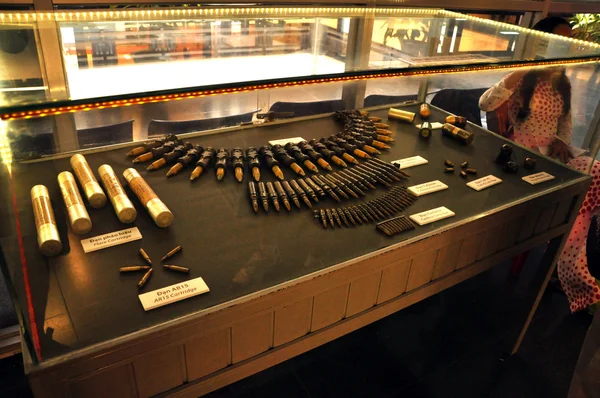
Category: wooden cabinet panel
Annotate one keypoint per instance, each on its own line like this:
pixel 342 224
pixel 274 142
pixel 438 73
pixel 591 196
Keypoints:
pixel 115 382
pixel 447 259
pixel 490 241
pixel 363 294
pixel 393 280
pixel 563 208
pixel 329 307
pixel 531 218
pixel 160 370
pixel 543 223
pixel 469 250
pixel 208 353
pixel 251 337
pixel 292 321
pixel 421 269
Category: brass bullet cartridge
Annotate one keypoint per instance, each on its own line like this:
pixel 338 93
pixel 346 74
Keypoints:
pixel 362 178
pixel 47 232
pixel 135 268
pixel 330 217
pixel 424 111
pixel 253 162
pixel 253 196
pixel 221 163
pixel 149 145
pixel 269 158
pixel 273 195
pixel 399 114
pixel 291 193
pixel 190 157
pixel 177 268
pixel 316 188
pixel 449 170
pixel 323 216
pixel 159 212
pixel 349 216
pixel 158 152
pixel 79 218
pixel 308 189
pixel 471 171
pixel 237 158
pixel 301 193
pixel 393 167
pixel 202 163
pixel 464 165
pixel 357 214
pixel 344 188
pixel 94 194
pixel 284 158
pixel 336 217
pixel 262 189
pixel 425 131
pixel 327 180
pixel 145 256
pixel 324 187
pixel 282 195
pixel 352 184
pixel 144 279
pixel 343 217
pixel 171 253
pixel 170 157
pixel 124 209
pixel 322 150
pixel 463 174
pixel 448 163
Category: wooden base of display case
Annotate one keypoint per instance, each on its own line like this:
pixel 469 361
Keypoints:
pixel 201 353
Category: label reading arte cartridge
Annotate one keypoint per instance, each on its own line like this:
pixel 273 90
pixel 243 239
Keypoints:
pixel 537 178
pixel 110 239
pixel 428 187
pixel 411 162
pixel 171 294
pixel 283 141
pixel 484 182
pixel 429 216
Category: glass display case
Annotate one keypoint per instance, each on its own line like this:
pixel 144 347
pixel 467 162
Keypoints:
pixel 115 86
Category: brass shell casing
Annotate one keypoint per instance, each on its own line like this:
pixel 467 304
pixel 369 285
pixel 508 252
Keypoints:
pixel 399 114
pixel 93 192
pixel 124 209
pixel 45 223
pixel 78 216
pixel 159 212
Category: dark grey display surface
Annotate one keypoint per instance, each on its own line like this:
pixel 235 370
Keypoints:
pixel 81 299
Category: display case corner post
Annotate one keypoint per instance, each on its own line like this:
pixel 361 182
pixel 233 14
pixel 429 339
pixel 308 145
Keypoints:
pixel 547 266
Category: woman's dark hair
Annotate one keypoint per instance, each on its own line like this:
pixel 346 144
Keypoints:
pixel 560 84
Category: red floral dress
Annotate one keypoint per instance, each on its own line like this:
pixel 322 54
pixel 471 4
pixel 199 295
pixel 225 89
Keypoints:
pixel 546 123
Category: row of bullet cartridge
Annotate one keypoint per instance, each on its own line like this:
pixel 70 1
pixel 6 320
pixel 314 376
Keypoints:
pixel 392 202
pixel 351 182
pixel 396 225
pixel 361 139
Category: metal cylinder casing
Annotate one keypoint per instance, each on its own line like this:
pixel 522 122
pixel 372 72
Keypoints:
pixel 92 190
pixel 399 114
pixel 159 212
pixel 45 223
pixel 78 216
pixel 123 207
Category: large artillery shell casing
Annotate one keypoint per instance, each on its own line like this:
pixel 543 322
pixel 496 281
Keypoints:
pixel 86 178
pixel 120 201
pixel 399 114
pixel 78 216
pixel 45 223
pixel 159 212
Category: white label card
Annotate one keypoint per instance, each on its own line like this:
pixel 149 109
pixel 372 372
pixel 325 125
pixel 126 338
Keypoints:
pixel 484 182
pixel 429 216
pixel 537 178
pixel 110 239
pixel 172 294
pixel 428 187
pixel 434 125
pixel 411 162
pixel 284 141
